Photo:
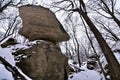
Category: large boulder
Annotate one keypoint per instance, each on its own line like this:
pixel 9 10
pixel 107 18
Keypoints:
pixel 43 61
pixel 40 23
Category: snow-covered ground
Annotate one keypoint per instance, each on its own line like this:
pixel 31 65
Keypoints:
pixel 5 74
pixel 86 74
pixel 6 53
pixel 89 74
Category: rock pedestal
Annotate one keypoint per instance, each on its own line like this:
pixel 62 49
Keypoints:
pixel 44 60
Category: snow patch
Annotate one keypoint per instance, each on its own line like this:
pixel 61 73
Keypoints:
pixel 86 74
pixel 5 74
pixel 6 53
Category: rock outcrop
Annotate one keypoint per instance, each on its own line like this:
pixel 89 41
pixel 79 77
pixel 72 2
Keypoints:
pixel 44 61
pixel 40 23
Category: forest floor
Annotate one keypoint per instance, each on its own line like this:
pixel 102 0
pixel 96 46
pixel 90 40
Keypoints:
pixel 85 74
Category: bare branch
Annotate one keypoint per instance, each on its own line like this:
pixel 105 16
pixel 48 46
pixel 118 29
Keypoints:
pixel 3 7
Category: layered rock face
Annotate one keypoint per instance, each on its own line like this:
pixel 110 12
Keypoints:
pixel 44 60
pixel 41 23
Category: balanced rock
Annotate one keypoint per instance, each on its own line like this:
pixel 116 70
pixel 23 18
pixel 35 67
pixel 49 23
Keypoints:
pixel 43 61
pixel 40 23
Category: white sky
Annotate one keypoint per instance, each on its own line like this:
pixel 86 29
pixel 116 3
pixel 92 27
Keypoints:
pixel 118 4
pixel 48 1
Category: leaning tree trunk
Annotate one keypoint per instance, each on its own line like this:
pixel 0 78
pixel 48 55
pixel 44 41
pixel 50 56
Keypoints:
pixel 114 66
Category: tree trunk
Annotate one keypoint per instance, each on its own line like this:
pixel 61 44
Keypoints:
pixel 114 66
pixel 100 65
pixel 78 51
pixel 115 19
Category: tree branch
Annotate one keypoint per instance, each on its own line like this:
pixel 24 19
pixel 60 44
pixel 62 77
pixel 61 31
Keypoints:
pixel 2 8
pixel 16 74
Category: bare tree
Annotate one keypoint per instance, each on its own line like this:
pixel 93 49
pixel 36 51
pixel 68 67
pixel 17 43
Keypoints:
pixel 112 36
pixel 75 47
pixel 11 29
pixel 13 19
pixel 4 6
pixel 94 50
pixel 81 9
pixel 76 43
pixel 108 6
pixel 104 46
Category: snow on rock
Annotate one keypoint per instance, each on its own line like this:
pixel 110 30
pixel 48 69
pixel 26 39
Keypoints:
pixel 6 39
pixel 6 53
pixel 26 77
